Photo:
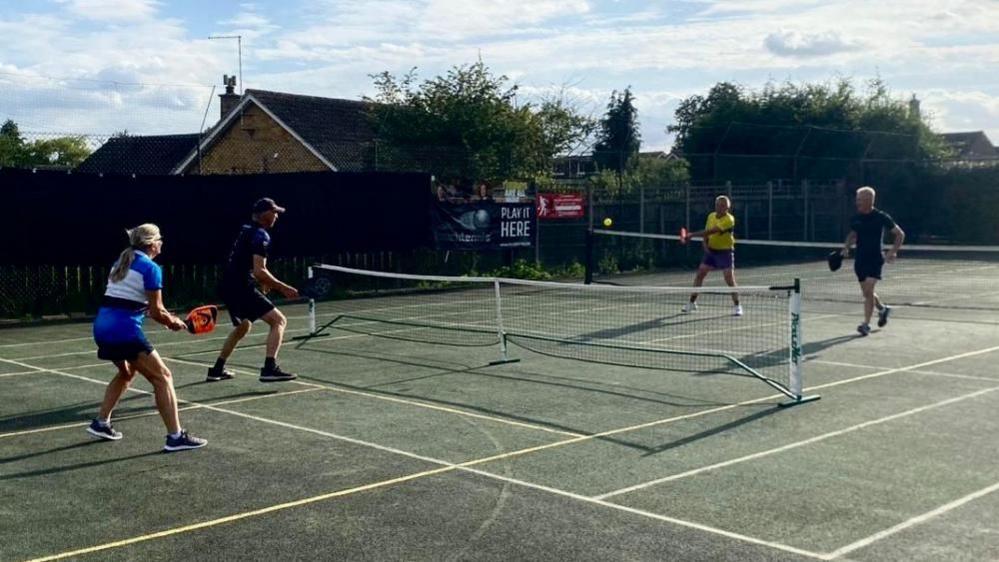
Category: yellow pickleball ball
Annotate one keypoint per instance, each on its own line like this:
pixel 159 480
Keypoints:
pixel 608 222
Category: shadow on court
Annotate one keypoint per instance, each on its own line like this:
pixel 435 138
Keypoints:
pixel 710 432
pixel 71 467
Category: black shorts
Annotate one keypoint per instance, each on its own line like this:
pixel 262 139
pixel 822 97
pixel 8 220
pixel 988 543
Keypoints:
pixel 244 303
pixel 868 266
pixel 125 351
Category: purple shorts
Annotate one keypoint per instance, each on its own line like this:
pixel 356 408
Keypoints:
pixel 719 259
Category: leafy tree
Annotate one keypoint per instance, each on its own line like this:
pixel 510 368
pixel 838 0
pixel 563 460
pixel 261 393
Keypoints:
pixel 643 171
pixel 467 125
pixel 11 144
pixel 808 130
pixel 15 151
pixel 60 151
pixel 618 138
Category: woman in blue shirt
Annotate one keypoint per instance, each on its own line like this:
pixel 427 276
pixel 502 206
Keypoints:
pixel 135 288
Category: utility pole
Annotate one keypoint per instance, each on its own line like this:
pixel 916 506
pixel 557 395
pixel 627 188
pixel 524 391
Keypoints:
pixel 239 51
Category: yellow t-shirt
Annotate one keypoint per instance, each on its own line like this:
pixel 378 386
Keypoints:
pixel 724 240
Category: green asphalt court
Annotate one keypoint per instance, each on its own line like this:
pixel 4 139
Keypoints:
pixel 396 450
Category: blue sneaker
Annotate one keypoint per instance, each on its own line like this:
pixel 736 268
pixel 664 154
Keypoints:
pixel 883 316
pixel 864 329
pixel 183 442
pixel 103 431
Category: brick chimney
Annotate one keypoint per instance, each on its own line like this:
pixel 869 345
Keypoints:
pixel 230 98
pixel 914 107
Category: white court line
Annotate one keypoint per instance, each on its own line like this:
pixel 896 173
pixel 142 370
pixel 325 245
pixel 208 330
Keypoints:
pixel 45 342
pixel 18 373
pixel 425 405
pixel 841 364
pixel 916 371
pixel 528 309
pixel 241 414
pixel 914 367
pixel 85 338
pixel 446 467
pixel 795 445
pixel 649 514
pixel 297 330
pixel 155 345
pixel 957 376
pixel 36 371
pixel 586 437
pixel 192 406
pixel 910 522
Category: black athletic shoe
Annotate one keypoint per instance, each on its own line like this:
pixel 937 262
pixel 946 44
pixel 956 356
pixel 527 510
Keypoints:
pixel 275 375
pixel 105 432
pixel 184 442
pixel 883 316
pixel 215 375
pixel 864 329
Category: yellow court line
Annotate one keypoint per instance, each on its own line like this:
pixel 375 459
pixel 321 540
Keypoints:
pixel 449 466
pixel 446 466
pixel 244 515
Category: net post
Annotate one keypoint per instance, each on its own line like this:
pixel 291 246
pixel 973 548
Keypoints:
pixel 501 331
pixel 795 347
pixel 795 383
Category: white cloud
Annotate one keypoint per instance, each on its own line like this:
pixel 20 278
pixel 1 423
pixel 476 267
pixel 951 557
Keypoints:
pixel 249 24
pixel 666 51
pixel 795 44
pixel 469 19
pixel 963 110
pixel 112 10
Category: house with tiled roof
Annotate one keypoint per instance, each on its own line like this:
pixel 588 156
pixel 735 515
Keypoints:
pixel 971 148
pixel 272 132
pixel 259 131
pixel 139 155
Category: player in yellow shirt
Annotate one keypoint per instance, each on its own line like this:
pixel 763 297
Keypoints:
pixel 719 251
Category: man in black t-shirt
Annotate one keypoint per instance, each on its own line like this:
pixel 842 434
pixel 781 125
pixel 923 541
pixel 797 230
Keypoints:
pixel 867 230
pixel 246 267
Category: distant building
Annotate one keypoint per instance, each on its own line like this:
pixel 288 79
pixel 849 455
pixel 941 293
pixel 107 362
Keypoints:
pixel 971 149
pixel 140 155
pixel 258 132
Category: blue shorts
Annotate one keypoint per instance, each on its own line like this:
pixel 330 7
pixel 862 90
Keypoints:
pixel 118 334
pixel 719 259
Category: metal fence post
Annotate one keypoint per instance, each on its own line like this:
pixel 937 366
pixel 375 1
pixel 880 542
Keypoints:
pixel 804 195
pixel 641 208
pixel 770 210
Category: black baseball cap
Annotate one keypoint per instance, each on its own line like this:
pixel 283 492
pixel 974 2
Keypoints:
pixel 266 204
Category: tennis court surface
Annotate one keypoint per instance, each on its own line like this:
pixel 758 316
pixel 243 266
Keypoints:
pixel 394 447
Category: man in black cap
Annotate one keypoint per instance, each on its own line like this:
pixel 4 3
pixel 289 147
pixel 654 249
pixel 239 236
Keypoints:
pixel 247 266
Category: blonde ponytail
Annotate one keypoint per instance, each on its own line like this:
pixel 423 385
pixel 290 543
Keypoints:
pixel 139 238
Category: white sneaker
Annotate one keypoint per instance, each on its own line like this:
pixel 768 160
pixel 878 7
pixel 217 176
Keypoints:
pixel 689 307
pixel 737 310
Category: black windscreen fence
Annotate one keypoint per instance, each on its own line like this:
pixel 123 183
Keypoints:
pixel 57 218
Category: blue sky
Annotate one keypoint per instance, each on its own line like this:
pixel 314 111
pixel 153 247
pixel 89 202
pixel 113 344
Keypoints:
pixel 100 66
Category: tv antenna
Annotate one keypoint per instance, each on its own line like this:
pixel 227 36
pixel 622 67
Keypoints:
pixel 239 50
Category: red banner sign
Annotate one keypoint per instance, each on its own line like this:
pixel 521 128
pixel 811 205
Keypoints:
pixel 560 206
